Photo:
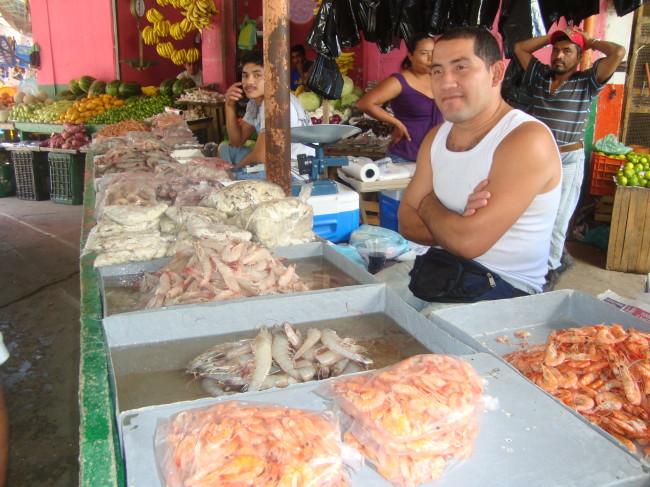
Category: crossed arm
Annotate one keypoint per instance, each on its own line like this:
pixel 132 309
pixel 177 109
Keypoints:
pixel 513 182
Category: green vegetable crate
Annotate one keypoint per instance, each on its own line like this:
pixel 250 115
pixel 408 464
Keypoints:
pixel 66 177
pixel 32 177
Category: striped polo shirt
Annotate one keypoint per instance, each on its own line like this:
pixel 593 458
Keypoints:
pixel 566 111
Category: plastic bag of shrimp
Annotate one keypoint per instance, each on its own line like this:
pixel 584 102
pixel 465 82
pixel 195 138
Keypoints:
pixel 251 443
pixel 414 419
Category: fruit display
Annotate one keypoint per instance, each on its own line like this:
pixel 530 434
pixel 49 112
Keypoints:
pixel 135 108
pixel 40 112
pixel 341 109
pixel 89 107
pixel 345 62
pixel 634 171
pixel 71 137
pixel 198 15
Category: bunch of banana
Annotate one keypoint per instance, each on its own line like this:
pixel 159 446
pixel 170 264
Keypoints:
pixel 317 8
pixel 200 13
pixel 345 62
pixel 165 49
pixel 162 3
pixel 161 27
pixel 176 31
pixel 192 55
pixel 151 90
pixel 153 15
pixel 187 25
pixel 149 36
pixel 179 57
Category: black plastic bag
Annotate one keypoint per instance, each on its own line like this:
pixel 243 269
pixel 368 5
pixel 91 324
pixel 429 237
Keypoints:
pixel 513 90
pixel 322 37
pixel 325 78
pixel 624 7
pixel 345 22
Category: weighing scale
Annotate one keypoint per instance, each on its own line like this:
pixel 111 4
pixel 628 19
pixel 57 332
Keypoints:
pixel 318 137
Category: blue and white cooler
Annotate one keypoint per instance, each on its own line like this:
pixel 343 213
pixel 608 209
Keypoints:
pixel 336 215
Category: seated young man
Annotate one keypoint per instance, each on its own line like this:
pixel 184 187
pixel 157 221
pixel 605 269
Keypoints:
pixel 252 85
pixel 487 181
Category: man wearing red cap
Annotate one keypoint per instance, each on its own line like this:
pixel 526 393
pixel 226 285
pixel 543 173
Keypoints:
pixel 562 97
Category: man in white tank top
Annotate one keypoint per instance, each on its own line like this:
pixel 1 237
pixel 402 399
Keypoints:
pixel 487 182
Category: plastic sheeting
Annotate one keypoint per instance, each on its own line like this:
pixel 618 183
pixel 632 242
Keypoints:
pixel 16 14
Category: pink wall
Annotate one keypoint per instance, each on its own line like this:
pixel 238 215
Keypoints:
pixel 72 44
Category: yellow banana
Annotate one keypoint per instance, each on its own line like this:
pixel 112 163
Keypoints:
pixel 153 15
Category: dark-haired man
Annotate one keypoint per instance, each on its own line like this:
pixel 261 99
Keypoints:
pixel 299 73
pixel 562 97
pixel 475 155
pixel 252 85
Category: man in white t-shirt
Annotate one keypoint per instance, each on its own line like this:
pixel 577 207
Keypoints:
pixel 252 85
pixel 194 72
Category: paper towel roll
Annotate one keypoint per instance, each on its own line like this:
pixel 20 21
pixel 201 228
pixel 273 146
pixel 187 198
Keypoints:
pixel 361 168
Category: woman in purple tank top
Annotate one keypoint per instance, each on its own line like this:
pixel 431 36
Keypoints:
pixel 414 111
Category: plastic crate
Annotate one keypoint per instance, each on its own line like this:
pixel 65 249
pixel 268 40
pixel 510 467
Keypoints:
pixel 32 175
pixel 7 179
pixel 66 178
pixel 603 171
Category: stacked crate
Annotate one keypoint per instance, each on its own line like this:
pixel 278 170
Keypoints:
pixel 31 173
pixel 66 177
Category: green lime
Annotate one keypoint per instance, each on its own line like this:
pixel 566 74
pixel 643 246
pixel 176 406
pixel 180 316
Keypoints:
pixel 621 180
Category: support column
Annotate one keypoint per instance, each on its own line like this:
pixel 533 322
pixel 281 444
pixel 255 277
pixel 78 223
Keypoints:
pixel 276 93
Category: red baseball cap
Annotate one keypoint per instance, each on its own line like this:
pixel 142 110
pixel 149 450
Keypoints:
pixel 572 35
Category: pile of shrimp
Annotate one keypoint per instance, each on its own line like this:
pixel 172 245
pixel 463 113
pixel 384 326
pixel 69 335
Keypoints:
pixel 237 443
pixel 214 270
pixel 276 358
pixel 411 418
pixel 603 372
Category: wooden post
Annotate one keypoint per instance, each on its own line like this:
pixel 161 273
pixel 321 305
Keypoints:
pixel 276 93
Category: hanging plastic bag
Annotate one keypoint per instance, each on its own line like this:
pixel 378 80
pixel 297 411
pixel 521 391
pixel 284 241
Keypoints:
pixel 345 21
pixel 325 78
pixel 323 37
pixel 624 7
pixel 513 90
pixel 247 34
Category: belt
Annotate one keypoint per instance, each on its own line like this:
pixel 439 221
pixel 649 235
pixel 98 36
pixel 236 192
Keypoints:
pixel 570 147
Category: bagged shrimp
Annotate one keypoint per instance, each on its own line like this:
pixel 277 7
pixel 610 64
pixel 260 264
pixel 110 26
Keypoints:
pixel 412 418
pixel 246 443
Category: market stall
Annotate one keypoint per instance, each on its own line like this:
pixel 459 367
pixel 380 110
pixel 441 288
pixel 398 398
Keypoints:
pixel 117 436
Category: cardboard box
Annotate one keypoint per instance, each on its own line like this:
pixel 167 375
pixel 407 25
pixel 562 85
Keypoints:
pixel 629 234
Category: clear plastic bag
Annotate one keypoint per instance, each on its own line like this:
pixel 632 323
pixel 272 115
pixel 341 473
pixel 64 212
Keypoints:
pixel 395 243
pixel 411 418
pixel 251 444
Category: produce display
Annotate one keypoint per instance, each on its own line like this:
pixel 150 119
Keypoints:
pixel 89 107
pixel 262 445
pixel 276 358
pixel 603 372
pixel 72 137
pixel 40 112
pixel 201 96
pixel 135 108
pixel 340 110
pixel 635 169
pixel 411 418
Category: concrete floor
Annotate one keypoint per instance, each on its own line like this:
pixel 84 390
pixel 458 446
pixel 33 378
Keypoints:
pixel 39 319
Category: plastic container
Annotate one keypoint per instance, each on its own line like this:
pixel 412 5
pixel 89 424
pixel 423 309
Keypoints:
pixel 66 178
pixel 603 171
pixel 32 175
pixel 7 179
pixel 388 205
pixel 336 215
